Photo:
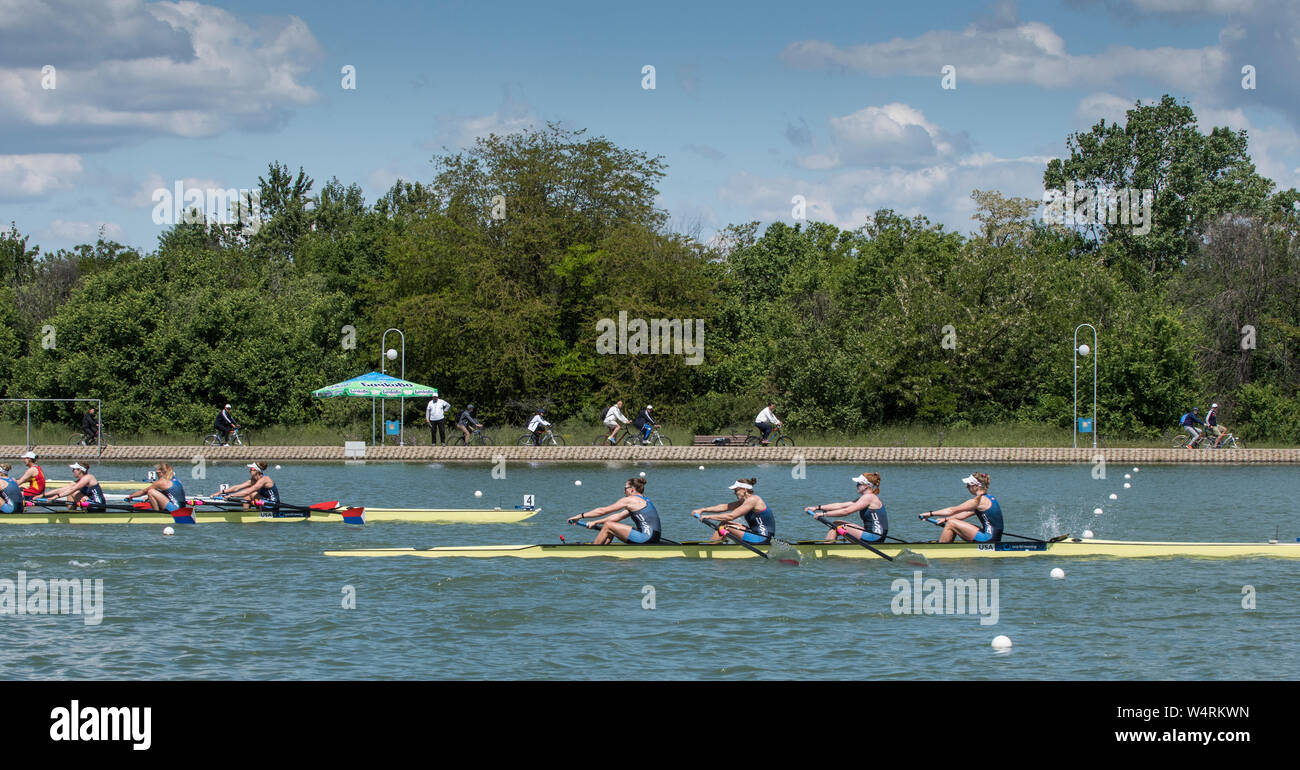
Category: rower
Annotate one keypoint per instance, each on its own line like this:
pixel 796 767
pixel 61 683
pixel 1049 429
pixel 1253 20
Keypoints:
pixel 644 527
pixel 33 477
pixel 875 522
pixel 982 505
pixel 84 487
pixel 760 522
pixel 258 487
pixel 165 493
pixel 11 495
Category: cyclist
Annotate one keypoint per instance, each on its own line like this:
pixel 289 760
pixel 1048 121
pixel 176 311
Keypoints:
pixel 224 424
pixel 1189 422
pixel 645 422
pixel 614 420
pixel 90 427
pixel 538 426
pixel 466 421
pixel 1212 425
pixel 766 421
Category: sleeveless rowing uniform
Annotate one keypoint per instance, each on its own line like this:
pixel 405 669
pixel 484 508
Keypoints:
pixel 645 523
pixel 36 484
pixel 175 495
pixel 13 496
pixel 990 523
pixel 271 498
pixel 94 495
pixel 876 523
pixel 761 526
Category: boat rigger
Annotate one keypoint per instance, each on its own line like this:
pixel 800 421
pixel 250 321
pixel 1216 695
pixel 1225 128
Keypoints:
pixel 206 515
pixel 1065 546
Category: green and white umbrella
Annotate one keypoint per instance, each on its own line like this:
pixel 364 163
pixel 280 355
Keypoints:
pixel 375 385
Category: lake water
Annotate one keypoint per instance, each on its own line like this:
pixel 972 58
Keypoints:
pixel 260 601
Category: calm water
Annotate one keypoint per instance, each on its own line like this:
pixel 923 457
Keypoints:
pixel 260 602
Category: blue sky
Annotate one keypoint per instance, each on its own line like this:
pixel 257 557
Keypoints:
pixel 755 102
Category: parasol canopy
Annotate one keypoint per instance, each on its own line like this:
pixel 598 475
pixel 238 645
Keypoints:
pixel 375 385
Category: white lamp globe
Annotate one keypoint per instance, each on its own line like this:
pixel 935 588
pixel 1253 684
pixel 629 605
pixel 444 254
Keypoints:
pixel 392 354
pixel 1084 350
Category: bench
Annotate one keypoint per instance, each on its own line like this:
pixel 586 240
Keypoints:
pixel 719 440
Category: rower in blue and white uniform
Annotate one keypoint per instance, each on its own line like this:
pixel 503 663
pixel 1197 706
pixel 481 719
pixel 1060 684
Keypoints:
pixel 632 518
pixel 11 495
pixel 983 506
pixel 165 493
pixel 259 490
pixel 84 491
pixel 759 525
pixel 869 507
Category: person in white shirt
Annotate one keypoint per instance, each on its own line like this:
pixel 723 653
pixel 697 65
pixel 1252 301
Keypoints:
pixel 614 420
pixel 538 426
pixel 766 421
pixel 436 415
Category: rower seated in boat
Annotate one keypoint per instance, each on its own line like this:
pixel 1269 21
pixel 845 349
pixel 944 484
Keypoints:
pixel 11 495
pixel 165 493
pixel 983 506
pixel 259 487
pixel 759 524
pixel 83 491
pixel 869 507
pixel 33 477
pixel 642 526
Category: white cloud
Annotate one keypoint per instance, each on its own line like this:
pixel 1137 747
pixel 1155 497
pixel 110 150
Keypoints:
pixel 1103 106
pixel 460 131
pixel 895 132
pixel 27 177
pixel 181 69
pixel 82 232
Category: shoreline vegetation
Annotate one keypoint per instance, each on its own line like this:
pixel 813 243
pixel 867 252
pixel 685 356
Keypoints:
pixel 518 267
pixel 583 433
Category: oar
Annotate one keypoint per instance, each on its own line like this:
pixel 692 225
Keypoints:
pixel 736 538
pixel 48 503
pixel 580 523
pixel 325 506
pixel 845 533
pixel 926 517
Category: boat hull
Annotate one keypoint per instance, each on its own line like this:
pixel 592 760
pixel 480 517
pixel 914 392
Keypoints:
pixel 205 515
pixel 1072 547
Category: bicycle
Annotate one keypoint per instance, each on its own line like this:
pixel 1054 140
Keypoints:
pixel 549 437
pixel 238 437
pixel 1207 442
pixel 476 437
pixel 655 438
pixel 777 436
pixel 80 439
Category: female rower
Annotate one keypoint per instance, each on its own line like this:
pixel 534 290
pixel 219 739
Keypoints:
pixel 981 504
pixel 760 524
pixel 33 477
pixel 165 493
pixel 85 487
pixel 644 526
pixel 258 487
pixel 875 522
pixel 11 495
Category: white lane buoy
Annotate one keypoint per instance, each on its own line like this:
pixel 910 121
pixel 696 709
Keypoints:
pixel 1114 496
pixel 1096 511
pixel 1001 642
pixel 277 467
pixel 1128 476
pixel 478 493
pixel 577 483
pixel 642 474
pixel 701 467
pixel 168 531
pixel 1127 485
pixel 1058 573
pixel 1135 470
pixel 1087 533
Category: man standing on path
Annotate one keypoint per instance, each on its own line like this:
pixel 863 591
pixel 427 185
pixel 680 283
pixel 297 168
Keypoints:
pixel 435 414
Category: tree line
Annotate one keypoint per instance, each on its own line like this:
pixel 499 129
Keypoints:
pixel 500 268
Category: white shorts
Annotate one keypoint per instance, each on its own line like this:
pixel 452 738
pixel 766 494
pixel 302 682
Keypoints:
pixel 611 424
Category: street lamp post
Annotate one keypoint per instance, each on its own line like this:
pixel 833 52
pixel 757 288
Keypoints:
pixel 1082 350
pixel 388 355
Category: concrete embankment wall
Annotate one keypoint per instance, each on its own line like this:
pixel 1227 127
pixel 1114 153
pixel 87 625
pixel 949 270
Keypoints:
pixel 681 454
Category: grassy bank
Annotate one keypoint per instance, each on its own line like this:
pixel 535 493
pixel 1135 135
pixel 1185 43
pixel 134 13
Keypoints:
pixel 579 432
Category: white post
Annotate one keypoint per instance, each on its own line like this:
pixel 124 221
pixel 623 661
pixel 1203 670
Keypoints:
pixel 1078 352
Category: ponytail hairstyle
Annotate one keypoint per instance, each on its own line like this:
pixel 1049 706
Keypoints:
pixel 874 478
pixel 983 479
pixel 5 467
pixel 638 484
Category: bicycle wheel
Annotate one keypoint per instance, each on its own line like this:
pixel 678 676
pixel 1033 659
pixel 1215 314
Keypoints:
pixel 482 439
pixel 753 441
pixel 459 440
pixel 525 439
pixel 1180 441
pixel 76 439
pixel 555 440
pixel 211 440
pixel 785 441
pixel 662 440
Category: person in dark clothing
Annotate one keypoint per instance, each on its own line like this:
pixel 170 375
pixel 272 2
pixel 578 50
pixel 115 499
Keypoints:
pixel 224 424
pixel 90 426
